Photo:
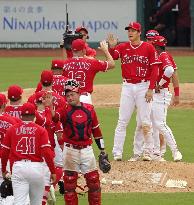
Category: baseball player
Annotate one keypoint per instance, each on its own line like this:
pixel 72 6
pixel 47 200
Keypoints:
pixel 79 122
pixel 46 81
pixel 163 97
pixel 58 82
pixel 84 69
pixel 26 144
pixel 139 64
pixel 159 139
pixel 138 136
pixel 15 96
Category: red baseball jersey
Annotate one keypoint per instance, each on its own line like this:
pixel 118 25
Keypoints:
pixel 83 70
pixel 79 124
pixel 165 61
pixel 58 85
pixel 25 140
pixel 135 60
pixel 14 110
pixel 6 121
pixel 58 101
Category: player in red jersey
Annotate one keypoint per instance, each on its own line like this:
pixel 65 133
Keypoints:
pixel 27 143
pixel 139 64
pixel 84 69
pixel 15 96
pixel 46 80
pixel 58 82
pixel 6 121
pixel 80 123
pixel 162 99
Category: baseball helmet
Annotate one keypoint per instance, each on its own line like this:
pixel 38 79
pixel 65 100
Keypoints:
pixel 72 85
pixel 6 188
pixel 159 41
pixel 151 34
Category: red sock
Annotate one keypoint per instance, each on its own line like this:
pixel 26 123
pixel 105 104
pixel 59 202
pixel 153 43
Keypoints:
pixel 45 196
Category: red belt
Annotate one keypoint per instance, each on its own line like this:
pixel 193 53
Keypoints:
pixel 134 81
pixel 77 146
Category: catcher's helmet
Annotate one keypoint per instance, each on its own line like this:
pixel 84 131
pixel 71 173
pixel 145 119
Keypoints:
pixel 6 188
pixel 151 34
pixel 159 41
pixel 72 85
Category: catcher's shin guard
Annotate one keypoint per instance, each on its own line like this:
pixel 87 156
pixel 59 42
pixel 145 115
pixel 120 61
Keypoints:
pixel 94 192
pixel 70 184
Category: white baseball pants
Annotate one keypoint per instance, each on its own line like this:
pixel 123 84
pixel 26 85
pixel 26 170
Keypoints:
pixel 132 95
pixel 28 179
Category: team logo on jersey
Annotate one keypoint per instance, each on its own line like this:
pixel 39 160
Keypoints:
pixel 135 58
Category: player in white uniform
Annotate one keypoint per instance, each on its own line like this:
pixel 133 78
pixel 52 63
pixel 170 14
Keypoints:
pixel 139 64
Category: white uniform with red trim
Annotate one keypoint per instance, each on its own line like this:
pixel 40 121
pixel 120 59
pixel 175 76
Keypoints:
pixel 161 102
pixel 138 76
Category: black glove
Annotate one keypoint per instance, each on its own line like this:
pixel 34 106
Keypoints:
pixel 61 187
pixel 6 188
pixel 104 163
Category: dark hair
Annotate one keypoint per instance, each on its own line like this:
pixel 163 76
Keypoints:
pixel 46 84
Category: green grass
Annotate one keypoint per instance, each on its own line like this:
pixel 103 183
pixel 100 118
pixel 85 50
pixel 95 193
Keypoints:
pixel 179 121
pixel 26 71
pixel 140 199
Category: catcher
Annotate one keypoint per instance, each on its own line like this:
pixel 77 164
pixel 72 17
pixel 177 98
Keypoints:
pixel 80 122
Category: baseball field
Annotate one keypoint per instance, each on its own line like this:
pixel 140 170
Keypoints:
pixel 143 183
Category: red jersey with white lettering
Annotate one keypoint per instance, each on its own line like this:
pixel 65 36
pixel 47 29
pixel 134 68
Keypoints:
pixel 165 61
pixel 58 101
pixel 172 60
pixel 135 60
pixel 79 124
pixel 6 121
pixel 25 140
pixel 83 70
pixel 14 110
pixel 58 85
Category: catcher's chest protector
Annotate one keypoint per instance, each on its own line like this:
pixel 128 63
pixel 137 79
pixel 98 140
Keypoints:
pixel 79 124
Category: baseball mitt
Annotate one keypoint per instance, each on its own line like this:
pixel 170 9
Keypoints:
pixel 104 163
pixel 6 188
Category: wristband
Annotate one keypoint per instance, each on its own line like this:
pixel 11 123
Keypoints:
pixel 176 91
pixel 100 143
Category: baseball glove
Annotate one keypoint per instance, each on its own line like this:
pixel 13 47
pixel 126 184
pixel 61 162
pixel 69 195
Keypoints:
pixel 61 187
pixel 104 163
pixel 6 188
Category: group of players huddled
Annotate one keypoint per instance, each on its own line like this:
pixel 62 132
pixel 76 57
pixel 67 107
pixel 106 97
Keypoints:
pixel 47 139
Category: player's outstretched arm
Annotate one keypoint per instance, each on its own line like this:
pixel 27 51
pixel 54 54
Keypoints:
pixel 104 48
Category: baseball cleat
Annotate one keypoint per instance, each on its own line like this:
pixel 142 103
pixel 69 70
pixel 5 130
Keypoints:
pixel 146 157
pixel 135 158
pixel 177 156
pixel 158 158
pixel 118 158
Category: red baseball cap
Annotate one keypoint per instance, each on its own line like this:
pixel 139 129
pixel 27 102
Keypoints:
pixel 57 64
pixel 159 41
pixel 134 25
pixel 14 92
pixel 28 109
pixel 78 45
pixel 47 76
pixel 90 52
pixel 3 100
pixel 40 95
pixel 151 34
pixel 78 29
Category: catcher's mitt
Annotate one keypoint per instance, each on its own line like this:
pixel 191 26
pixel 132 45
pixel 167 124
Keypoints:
pixel 6 188
pixel 61 187
pixel 104 163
